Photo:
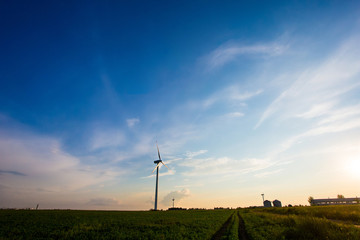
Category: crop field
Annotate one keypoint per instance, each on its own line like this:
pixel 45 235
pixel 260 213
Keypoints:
pixel 326 222
pixel 71 224
pixel 330 222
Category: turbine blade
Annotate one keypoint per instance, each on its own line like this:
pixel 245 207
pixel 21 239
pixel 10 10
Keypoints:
pixel 158 150
pixel 165 165
pixel 155 167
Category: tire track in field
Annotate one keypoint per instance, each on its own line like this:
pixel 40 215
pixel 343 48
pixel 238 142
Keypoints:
pixel 242 234
pixel 350 223
pixel 223 229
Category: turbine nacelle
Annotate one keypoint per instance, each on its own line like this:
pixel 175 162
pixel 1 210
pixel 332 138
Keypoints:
pixel 157 162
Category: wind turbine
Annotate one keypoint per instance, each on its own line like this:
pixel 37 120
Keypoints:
pixel 157 162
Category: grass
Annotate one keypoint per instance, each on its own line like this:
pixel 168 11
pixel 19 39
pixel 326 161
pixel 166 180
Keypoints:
pixel 234 229
pixel 326 222
pixel 61 224
pixel 301 223
pixel 346 213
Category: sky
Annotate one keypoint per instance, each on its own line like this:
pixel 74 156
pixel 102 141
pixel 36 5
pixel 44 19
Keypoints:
pixel 243 98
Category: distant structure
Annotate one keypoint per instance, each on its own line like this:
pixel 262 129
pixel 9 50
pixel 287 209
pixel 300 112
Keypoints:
pixel 37 206
pixel 263 197
pixel 277 203
pixel 267 203
pixel 173 202
pixel 176 208
pixel 335 201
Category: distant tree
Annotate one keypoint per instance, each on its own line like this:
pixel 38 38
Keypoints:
pixel 310 200
pixel 340 196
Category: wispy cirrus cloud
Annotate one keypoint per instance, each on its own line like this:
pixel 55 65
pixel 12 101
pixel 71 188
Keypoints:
pixel 334 123
pixel 191 155
pixel 317 110
pixel 315 91
pixel 233 95
pixel 225 166
pixel 230 52
pixel 341 114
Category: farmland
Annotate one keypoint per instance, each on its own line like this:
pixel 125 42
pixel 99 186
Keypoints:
pixel 330 222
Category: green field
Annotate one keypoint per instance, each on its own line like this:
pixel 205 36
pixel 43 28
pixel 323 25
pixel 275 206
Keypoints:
pixel 330 222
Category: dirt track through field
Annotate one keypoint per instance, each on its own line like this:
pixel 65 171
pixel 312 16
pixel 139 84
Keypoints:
pixel 344 222
pixel 242 234
pixel 223 229
pixel 222 233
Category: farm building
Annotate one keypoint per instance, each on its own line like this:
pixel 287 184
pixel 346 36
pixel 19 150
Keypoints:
pixel 276 203
pixel 335 201
pixel 267 203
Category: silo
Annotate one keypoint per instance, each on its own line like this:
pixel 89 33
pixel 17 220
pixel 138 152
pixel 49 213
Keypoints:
pixel 267 203
pixel 277 203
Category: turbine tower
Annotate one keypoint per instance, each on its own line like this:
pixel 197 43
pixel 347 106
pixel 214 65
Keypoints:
pixel 157 162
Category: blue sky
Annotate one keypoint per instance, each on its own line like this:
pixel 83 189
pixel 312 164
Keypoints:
pixel 243 97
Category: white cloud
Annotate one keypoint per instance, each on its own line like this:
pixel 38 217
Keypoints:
pixel 177 195
pixel 131 122
pixel 34 162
